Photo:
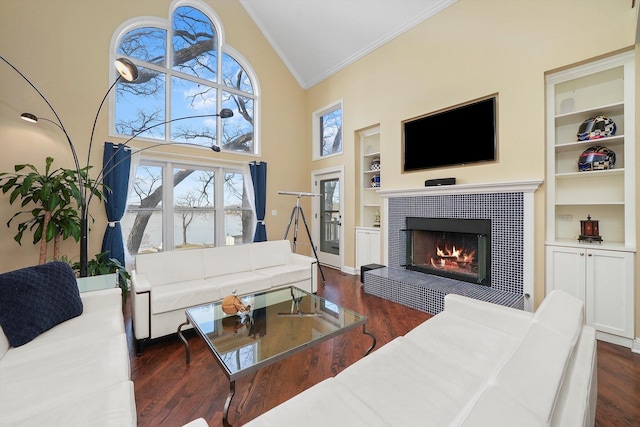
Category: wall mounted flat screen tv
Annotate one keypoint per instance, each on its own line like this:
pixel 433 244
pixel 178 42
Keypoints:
pixel 456 136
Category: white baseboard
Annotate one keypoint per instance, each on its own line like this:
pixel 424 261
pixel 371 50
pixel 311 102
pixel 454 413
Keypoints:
pixel 615 339
pixel 636 345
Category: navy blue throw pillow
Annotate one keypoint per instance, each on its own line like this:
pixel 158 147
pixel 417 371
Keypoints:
pixel 35 299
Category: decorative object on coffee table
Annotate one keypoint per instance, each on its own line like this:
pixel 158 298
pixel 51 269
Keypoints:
pixel 231 304
pixel 589 230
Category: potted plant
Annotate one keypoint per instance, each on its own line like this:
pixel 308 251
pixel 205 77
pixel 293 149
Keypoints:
pixel 102 264
pixel 49 201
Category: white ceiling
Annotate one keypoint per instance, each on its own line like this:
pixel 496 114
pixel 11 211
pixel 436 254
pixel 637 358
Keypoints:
pixel 316 38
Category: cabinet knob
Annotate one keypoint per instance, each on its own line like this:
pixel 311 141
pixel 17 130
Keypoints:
pixel 590 255
pixel 581 253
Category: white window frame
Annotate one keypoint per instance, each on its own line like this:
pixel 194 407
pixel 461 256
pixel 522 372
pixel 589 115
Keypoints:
pixel 167 209
pixel 222 47
pixel 316 118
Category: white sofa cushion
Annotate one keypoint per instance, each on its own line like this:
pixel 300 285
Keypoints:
pixel 246 282
pixel 58 376
pixel 285 274
pixel 496 408
pixel 226 260
pixel 401 368
pixel 462 345
pixel 112 406
pixel 172 266
pixel 324 398
pixel 174 296
pixel 269 254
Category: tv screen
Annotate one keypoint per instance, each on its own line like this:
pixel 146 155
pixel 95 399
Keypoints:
pixel 457 136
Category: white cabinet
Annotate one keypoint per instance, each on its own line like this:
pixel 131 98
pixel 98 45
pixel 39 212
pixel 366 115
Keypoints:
pixel 601 274
pixel 367 246
pixel 603 279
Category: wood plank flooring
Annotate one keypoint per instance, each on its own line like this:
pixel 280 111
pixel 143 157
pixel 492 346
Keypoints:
pixel 170 393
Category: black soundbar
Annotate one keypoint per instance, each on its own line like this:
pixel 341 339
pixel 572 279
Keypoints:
pixel 439 182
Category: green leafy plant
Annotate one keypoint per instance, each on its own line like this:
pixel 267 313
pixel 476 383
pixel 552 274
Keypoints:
pixel 102 264
pixel 50 201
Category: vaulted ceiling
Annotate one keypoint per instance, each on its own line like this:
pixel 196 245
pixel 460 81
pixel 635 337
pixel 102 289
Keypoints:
pixel 317 38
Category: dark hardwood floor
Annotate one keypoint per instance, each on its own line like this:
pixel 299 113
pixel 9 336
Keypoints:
pixel 170 393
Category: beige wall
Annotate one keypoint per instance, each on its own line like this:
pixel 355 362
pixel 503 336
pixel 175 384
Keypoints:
pixel 46 39
pixel 472 49
pixel 469 50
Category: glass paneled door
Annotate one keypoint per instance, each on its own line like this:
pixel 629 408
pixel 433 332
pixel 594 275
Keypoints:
pixel 328 219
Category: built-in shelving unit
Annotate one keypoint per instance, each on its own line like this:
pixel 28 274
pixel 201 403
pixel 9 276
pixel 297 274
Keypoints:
pixel 602 274
pixel 368 230
pixel 370 178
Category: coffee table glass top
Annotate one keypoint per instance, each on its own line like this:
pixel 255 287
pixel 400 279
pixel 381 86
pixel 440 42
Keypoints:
pixel 280 323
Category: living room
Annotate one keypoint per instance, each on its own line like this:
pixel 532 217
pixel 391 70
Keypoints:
pixel 467 51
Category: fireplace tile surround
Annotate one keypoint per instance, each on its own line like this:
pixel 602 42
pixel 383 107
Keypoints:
pixel 509 206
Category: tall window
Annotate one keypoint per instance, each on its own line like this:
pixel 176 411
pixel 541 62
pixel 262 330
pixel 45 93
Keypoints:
pixel 327 131
pixel 185 70
pixel 210 207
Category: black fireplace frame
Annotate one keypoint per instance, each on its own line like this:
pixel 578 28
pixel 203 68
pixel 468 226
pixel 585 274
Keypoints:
pixel 480 227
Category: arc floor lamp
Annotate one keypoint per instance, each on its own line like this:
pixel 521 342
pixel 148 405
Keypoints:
pixel 127 71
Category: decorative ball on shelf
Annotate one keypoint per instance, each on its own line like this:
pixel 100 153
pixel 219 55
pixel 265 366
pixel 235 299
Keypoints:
pixel 375 165
pixel 596 128
pixel 375 181
pixel 596 158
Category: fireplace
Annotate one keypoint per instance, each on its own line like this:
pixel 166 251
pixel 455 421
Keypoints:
pixel 450 247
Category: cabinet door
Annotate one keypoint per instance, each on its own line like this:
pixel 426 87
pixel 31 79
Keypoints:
pixel 374 244
pixel 362 248
pixel 566 270
pixel 367 247
pixel 609 288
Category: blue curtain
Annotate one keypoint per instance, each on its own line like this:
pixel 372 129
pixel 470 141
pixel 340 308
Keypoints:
pixel 116 163
pixel 259 178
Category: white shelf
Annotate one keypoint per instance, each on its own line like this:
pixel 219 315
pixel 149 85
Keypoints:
pixel 580 116
pixel 583 145
pixel 590 174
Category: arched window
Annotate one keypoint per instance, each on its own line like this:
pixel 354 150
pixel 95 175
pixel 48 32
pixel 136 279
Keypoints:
pixel 185 70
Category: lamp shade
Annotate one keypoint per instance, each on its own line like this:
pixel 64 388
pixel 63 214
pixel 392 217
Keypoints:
pixel 28 117
pixel 127 69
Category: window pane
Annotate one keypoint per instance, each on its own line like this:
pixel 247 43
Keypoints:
pixel 237 213
pixel 194 44
pixel 237 131
pixel 233 190
pixel 193 201
pixel 147 44
pixel 194 188
pixel 233 75
pixel 193 228
pixel 192 99
pixel 147 188
pixel 233 227
pixel 142 223
pixel 142 231
pixel 141 104
pixel 331 132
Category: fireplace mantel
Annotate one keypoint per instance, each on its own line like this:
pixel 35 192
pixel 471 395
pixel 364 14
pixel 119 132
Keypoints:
pixel 482 188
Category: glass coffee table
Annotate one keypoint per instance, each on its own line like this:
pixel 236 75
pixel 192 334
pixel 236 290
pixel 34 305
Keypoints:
pixel 280 323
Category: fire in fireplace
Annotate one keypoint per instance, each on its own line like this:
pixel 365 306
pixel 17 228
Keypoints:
pixel 450 247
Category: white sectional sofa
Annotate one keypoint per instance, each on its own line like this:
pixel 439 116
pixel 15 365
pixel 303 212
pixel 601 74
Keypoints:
pixel 474 364
pixel 75 374
pixel 163 284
